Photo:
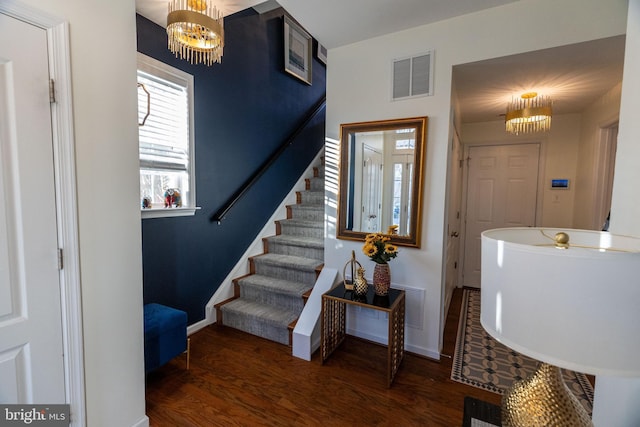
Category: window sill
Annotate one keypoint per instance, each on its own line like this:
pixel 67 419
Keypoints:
pixel 167 212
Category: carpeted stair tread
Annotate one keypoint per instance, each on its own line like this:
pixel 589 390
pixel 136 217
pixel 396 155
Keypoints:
pixel 310 208
pixel 316 183
pixel 259 319
pixel 303 222
pixel 297 227
pixel 313 198
pixel 297 245
pixel 271 315
pixel 275 285
pixel 289 261
pixel 311 242
pixel 307 214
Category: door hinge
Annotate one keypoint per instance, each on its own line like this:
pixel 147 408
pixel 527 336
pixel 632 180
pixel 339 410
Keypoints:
pixel 52 91
pixel 60 259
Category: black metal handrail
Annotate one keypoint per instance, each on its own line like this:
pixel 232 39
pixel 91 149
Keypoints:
pixel 222 212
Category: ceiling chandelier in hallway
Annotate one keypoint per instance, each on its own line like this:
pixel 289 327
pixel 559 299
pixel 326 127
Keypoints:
pixel 528 114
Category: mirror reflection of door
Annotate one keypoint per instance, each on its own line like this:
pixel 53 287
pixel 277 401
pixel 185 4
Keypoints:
pixel 381 179
pixel 403 142
pixel 371 189
pixel 401 204
pixel 385 202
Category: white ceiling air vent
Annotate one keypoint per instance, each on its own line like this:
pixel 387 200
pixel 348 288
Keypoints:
pixel 413 76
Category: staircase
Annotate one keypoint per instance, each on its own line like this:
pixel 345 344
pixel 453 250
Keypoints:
pixel 268 301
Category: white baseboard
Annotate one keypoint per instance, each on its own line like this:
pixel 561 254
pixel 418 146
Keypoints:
pixel 143 422
pixel 192 329
pixel 382 340
pixel 430 354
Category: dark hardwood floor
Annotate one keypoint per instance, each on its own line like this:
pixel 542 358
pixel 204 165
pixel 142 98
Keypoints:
pixel 237 379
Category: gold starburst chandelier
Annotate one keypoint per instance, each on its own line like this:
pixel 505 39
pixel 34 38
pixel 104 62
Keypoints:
pixel 195 31
pixel 531 113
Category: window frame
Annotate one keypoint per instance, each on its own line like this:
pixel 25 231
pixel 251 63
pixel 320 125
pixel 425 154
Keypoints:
pixel 164 71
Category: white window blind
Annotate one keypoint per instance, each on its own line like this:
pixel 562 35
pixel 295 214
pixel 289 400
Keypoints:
pixel 164 138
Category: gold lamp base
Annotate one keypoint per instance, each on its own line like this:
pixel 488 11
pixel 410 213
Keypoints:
pixel 542 400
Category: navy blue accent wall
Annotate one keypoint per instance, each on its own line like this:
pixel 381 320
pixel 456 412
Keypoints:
pixel 245 108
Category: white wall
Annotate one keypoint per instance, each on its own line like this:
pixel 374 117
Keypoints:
pixel 617 400
pixel 603 113
pixel 559 159
pixel 103 68
pixel 625 209
pixel 358 79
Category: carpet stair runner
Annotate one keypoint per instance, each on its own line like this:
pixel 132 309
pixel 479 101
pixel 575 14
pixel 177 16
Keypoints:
pixel 268 301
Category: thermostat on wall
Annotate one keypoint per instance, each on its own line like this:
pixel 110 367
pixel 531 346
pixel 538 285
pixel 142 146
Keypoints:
pixel 559 184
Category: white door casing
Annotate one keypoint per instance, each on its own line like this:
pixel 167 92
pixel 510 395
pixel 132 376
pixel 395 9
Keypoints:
pixel 502 187
pixel 31 354
pixel 59 59
pixel 453 221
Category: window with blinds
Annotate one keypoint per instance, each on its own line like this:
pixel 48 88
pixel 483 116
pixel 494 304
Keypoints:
pixel 165 137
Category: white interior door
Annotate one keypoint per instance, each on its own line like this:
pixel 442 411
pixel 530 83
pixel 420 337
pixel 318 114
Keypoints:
pixel 371 190
pixel 502 187
pixel 31 355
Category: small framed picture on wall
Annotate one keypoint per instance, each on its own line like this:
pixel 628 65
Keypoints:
pixel 297 51
pixel 322 54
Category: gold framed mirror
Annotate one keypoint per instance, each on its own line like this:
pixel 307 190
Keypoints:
pixel 381 175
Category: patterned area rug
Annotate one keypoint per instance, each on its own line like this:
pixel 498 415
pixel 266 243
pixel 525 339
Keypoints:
pixel 482 362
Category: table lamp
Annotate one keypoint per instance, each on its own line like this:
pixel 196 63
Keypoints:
pixel 567 298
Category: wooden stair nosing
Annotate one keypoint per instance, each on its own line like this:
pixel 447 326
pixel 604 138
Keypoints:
pixel 219 310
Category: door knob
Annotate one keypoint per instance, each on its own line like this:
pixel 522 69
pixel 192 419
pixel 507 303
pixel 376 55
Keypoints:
pixel 454 234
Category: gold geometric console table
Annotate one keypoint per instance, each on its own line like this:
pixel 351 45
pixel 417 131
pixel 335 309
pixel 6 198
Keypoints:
pixel 334 307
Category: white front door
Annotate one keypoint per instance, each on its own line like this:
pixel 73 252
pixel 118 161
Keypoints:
pixel 502 188
pixel 31 355
pixel 371 190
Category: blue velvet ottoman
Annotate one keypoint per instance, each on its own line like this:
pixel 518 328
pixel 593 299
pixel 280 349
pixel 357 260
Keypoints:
pixel 165 335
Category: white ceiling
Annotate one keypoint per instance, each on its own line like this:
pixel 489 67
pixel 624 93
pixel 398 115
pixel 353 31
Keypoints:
pixel 573 76
pixel 156 10
pixel 339 22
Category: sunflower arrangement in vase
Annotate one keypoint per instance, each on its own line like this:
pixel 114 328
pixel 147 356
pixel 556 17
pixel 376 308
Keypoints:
pixel 379 249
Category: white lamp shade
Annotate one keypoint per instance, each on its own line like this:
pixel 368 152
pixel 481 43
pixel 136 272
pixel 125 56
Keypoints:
pixel 576 308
